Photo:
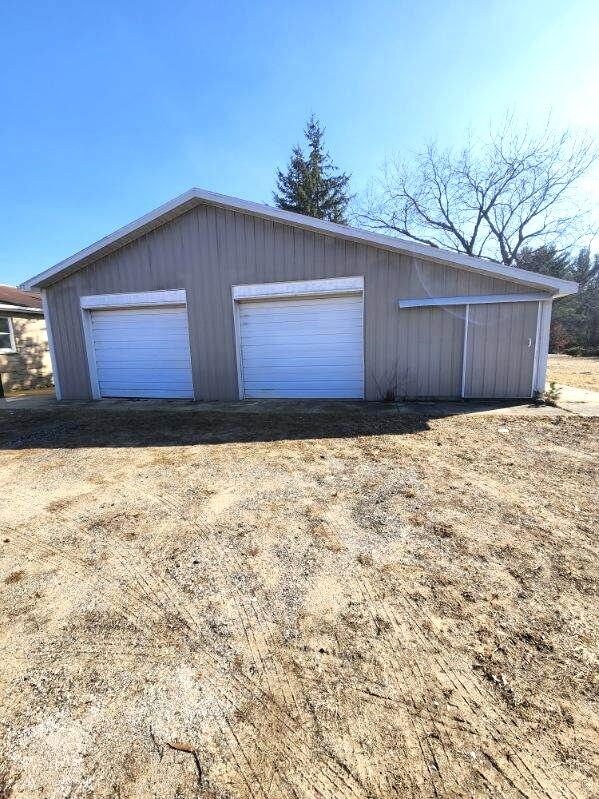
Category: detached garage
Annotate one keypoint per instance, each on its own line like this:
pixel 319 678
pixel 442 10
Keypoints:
pixel 215 298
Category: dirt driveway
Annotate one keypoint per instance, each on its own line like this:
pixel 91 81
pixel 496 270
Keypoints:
pixel 220 605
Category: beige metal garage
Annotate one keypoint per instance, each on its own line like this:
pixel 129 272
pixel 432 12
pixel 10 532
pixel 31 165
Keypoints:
pixel 276 304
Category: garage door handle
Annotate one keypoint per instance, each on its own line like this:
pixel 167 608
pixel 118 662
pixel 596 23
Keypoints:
pixel 530 342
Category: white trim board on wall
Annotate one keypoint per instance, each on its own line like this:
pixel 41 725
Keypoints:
pixel 136 299
pixel 542 349
pixel 465 352
pixel 298 288
pixel 483 299
pixel 535 363
pixel 20 309
pixel 88 337
pixel 51 347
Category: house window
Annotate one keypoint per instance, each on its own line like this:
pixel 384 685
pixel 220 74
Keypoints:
pixel 7 339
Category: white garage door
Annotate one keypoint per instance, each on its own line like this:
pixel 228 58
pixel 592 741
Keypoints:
pixel 308 347
pixel 142 352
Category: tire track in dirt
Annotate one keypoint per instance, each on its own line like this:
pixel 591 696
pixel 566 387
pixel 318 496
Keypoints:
pixel 415 684
pixel 234 708
pixel 145 597
pixel 495 726
pixel 260 655
pixel 417 745
pixel 160 609
pixel 144 591
pixel 205 530
pixel 45 550
pixel 240 598
pixel 497 718
pixel 404 675
pixel 298 745
pixel 534 774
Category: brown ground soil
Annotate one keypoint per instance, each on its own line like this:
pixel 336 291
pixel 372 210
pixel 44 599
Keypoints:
pixel 577 372
pixel 221 605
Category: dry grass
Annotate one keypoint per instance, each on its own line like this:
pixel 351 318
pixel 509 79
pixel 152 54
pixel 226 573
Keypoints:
pixel 297 606
pixel 577 372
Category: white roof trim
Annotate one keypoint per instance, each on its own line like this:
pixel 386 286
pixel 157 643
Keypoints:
pixel 471 299
pixel 194 197
pixel 20 309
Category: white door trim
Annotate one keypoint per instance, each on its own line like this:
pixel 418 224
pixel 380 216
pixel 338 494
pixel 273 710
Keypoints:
pixel 238 358
pixel 88 337
pixel 141 299
pixel 137 299
pixel 535 362
pixel 296 288
pixel 465 352
pixel 299 288
pixel 542 346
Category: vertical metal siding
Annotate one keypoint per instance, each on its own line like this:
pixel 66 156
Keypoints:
pixel 416 352
pixel 500 363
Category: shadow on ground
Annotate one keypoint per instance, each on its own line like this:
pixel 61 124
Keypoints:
pixel 101 426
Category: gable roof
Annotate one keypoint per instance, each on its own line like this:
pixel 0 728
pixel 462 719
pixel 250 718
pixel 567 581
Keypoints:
pixel 184 202
pixel 13 299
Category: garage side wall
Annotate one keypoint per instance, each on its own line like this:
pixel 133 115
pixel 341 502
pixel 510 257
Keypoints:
pixel 412 352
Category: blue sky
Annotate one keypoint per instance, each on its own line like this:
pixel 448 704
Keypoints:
pixel 111 108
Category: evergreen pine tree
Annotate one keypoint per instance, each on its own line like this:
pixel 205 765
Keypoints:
pixel 312 185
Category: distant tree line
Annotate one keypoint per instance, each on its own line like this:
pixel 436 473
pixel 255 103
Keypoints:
pixel 575 319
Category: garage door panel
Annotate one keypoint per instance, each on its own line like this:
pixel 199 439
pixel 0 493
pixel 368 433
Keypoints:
pixel 300 315
pixel 321 388
pixel 289 305
pixel 307 393
pixel 322 375
pixel 139 346
pixel 128 362
pixel 126 392
pixel 170 318
pixel 141 378
pixel 308 347
pixel 325 346
pixel 313 364
pixel 131 329
pixel 115 320
pixel 326 325
pixel 283 337
pixel 142 352
pixel 135 343
pixel 322 327
pixel 132 389
pixel 306 364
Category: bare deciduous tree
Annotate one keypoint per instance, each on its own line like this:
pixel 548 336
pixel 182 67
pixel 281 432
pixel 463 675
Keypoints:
pixel 491 199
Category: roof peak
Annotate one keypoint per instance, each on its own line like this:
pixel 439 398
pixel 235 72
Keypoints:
pixel 196 196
